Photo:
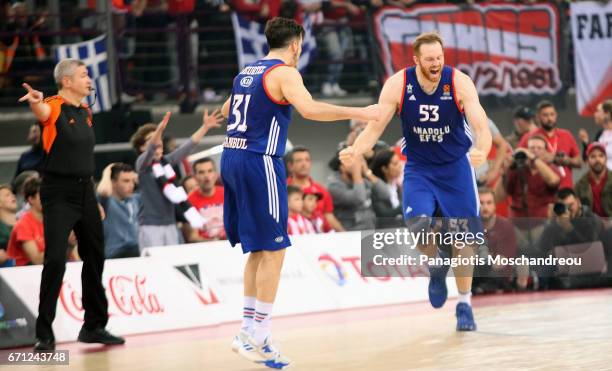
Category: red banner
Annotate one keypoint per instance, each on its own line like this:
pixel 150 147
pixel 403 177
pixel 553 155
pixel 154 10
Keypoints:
pixel 506 49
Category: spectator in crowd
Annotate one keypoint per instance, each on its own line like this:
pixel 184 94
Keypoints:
pixel 594 189
pixel 257 10
pixel 351 190
pixel 18 183
pixel 356 127
pixel 25 51
pixel 121 207
pixel 562 148
pixel 572 223
pixel 489 171
pixel 8 210
pixel 523 124
pixel 531 184
pixel 182 168
pixel 387 200
pixel 189 183
pixel 337 38
pixel 157 219
pixel 27 241
pixel 297 223
pixel 207 198
pixel 606 135
pixel 501 241
pixel 33 157
pixel 312 196
pixel 600 117
pixel 299 165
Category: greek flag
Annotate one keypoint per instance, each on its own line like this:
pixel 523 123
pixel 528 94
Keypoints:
pixel 93 54
pixel 252 46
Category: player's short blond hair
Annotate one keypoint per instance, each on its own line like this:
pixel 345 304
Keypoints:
pixel 426 38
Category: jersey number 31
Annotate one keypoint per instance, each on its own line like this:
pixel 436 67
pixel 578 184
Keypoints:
pixel 240 113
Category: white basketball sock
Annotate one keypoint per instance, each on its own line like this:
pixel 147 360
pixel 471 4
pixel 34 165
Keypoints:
pixel 248 314
pixel 466 298
pixel 261 329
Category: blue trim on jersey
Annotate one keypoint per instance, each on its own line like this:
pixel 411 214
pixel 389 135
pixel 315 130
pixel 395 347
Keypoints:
pixel 435 129
pixel 256 122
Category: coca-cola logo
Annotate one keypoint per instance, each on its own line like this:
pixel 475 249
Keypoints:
pixel 127 296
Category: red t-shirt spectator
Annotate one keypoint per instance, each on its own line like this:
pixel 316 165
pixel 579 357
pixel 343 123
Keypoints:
pixel 27 228
pixel 325 204
pixel 211 208
pixel 297 224
pixel 561 141
pixel 538 195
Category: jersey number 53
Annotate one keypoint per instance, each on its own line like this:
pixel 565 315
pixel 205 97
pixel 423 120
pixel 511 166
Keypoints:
pixel 428 113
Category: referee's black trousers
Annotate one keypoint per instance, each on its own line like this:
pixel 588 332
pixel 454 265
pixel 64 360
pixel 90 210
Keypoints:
pixel 69 203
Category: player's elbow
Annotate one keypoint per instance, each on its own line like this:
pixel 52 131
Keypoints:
pixel 307 112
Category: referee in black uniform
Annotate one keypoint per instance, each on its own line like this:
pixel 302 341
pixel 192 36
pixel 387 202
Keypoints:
pixel 69 203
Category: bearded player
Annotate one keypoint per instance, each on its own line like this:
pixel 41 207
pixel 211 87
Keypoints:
pixel 441 119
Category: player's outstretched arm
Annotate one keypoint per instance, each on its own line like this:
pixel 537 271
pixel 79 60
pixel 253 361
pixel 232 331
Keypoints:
pixel 388 103
pixel 41 110
pixel 476 117
pixel 294 91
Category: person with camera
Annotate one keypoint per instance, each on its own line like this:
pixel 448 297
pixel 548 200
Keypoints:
pixel 571 223
pixel 530 182
pixel 563 151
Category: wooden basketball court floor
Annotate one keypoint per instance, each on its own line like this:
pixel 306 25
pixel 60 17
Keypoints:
pixel 558 330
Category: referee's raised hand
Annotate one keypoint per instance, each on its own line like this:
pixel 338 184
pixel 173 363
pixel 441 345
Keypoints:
pixel 33 96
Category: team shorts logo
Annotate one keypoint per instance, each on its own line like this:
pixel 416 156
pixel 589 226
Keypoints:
pixel 246 81
pixel 279 239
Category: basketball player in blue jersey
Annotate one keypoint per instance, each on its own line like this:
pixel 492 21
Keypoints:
pixel 435 104
pixel 252 171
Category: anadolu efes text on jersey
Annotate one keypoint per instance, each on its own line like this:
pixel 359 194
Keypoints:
pixel 434 126
pixel 257 122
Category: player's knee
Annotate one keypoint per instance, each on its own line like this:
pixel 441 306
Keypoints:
pixel 417 224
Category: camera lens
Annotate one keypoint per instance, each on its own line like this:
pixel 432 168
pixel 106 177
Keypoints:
pixel 559 208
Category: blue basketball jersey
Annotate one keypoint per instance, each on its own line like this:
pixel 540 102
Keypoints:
pixel 434 127
pixel 257 122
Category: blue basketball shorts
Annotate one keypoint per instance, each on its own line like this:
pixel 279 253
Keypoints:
pixel 445 190
pixel 255 208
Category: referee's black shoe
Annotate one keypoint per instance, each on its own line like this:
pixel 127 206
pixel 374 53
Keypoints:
pixel 44 345
pixel 99 335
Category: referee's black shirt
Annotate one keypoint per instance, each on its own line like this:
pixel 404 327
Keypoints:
pixel 68 139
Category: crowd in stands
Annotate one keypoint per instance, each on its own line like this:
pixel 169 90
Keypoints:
pixel 185 49
pixel 530 203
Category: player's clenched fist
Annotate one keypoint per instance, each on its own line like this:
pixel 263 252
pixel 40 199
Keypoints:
pixel 477 157
pixel 347 156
